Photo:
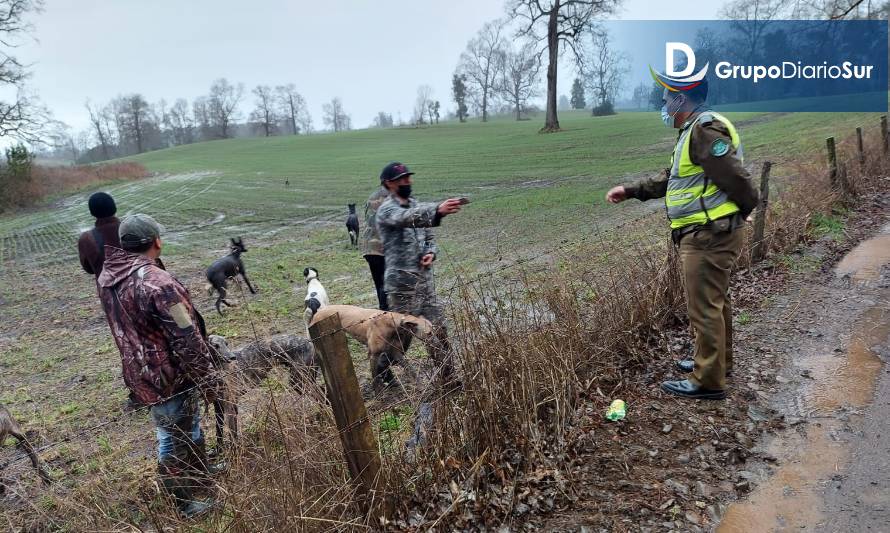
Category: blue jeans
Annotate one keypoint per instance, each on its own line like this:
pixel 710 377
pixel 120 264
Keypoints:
pixel 176 420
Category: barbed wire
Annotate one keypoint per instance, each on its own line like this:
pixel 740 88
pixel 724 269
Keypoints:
pixel 462 282
pixel 343 328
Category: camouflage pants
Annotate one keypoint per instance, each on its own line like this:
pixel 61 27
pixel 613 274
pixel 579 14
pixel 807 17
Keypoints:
pixel 416 295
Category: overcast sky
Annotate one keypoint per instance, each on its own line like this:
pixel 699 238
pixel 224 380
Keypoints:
pixel 373 55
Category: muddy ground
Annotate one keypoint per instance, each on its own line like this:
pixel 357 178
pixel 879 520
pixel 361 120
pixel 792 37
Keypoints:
pixel 798 444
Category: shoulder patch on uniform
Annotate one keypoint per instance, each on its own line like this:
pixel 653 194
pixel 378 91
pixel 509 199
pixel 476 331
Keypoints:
pixel 719 147
pixel 180 315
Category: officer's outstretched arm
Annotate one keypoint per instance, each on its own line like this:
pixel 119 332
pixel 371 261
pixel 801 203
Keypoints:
pixel 649 188
pixel 420 216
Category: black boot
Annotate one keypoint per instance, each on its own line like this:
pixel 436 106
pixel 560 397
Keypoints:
pixel 180 489
pixel 688 389
pixel 688 365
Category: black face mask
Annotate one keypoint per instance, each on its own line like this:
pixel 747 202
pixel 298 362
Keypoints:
pixel 404 191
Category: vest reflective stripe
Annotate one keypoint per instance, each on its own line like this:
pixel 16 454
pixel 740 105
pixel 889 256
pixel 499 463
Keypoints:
pixel 686 205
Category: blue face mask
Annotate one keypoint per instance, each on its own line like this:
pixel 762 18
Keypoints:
pixel 665 117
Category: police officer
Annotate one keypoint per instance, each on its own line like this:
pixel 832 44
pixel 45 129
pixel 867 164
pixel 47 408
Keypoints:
pixel 708 195
pixel 409 248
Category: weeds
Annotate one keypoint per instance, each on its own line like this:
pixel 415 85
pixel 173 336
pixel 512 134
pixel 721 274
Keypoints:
pixel 37 182
pixel 827 225
pixel 531 344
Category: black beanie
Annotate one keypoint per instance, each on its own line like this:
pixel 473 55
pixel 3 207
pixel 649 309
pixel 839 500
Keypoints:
pixel 102 205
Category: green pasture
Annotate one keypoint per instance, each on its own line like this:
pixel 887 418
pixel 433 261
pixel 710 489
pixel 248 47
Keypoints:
pixel 530 192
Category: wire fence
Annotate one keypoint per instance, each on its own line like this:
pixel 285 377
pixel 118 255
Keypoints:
pixel 461 282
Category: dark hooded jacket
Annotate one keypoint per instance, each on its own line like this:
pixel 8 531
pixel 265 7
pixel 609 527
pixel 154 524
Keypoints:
pixel 159 334
pixel 91 243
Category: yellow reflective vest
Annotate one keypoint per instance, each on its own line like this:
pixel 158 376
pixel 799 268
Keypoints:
pixel 691 198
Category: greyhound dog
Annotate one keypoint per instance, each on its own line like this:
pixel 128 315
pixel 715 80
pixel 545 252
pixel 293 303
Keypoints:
pixel 387 336
pixel 316 295
pixel 228 267
pixel 352 226
pixel 8 426
pixel 256 359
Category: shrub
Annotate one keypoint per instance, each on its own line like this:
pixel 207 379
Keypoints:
pixel 604 109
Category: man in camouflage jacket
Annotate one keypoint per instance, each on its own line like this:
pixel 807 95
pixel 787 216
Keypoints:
pixel 405 227
pixel 165 358
pixel 372 246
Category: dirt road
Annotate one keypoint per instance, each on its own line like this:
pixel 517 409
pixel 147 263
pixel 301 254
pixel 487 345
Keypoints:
pixel 832 464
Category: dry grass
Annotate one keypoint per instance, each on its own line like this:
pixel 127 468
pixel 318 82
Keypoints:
pixel 45 181
pixel 530 346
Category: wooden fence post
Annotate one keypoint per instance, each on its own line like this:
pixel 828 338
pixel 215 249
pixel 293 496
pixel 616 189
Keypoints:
pixel 359 443
pixel 832 161
pixel 859 145
pixel 884 139
pixel 758 251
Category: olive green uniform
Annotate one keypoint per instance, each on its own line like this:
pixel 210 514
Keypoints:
pixel 708 196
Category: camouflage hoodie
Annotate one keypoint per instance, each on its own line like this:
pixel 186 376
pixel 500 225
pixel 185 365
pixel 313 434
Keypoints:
pixel 371 243
pixel 405 228
pixel 158 332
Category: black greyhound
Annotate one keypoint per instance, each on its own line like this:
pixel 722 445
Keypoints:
pixel 352 226
pixel 225 268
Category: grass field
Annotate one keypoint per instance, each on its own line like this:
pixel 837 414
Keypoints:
pixel 60 369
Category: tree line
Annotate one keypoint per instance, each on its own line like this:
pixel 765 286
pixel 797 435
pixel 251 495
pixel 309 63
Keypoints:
pixel 503 68
pixel 129 124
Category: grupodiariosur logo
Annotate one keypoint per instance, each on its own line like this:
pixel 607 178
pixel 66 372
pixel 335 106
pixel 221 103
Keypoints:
pixel 679 80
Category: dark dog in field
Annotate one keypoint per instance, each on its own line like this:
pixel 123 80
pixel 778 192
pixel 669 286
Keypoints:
pixel 228 267
pixel 256 359
pixel 352 226
pixel 8 426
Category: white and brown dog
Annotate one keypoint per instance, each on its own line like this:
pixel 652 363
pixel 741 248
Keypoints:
pixel 316 296
pixel 386 334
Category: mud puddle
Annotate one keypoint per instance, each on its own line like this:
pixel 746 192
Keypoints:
pixel 842 384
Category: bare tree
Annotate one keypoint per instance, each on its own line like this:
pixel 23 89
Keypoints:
pixel 264 114
pixel 481 63
pixel 641 94
pixel 604 70
pixel 99 125
pixel 557 22
pixel 837 9
pixel 181 122
pixel 293 108
pixel 758 14
pixel 518 80
pixel 223 105
pixel 335 117
pixel 422 103
pixel 22 116
pixel 132 115
pixel 202 120
pixel 383 120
